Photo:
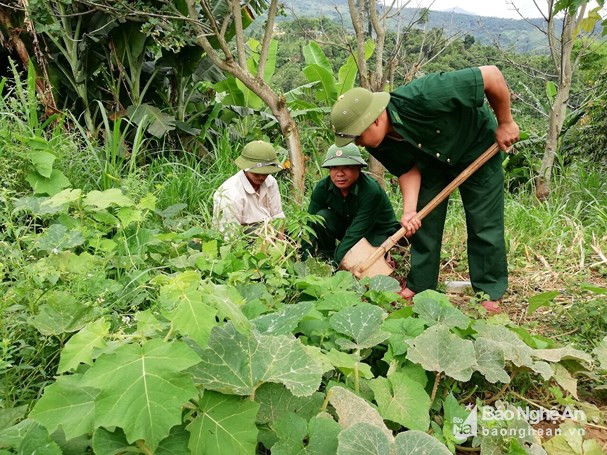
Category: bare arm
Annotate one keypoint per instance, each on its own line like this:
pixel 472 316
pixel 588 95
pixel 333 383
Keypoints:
pixel 409 183
pixel 496 91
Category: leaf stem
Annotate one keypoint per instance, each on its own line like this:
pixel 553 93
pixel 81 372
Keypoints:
pixel 326 402
pixel 437 379
pixel 145 449
pixel 356 379
pixel 468 449
pixel 168 335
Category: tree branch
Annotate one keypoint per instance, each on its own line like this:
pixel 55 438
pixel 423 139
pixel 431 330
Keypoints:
pixel 267 39
pixel 380 39
pixel 357 23
pixel 240 49
pixel 220 35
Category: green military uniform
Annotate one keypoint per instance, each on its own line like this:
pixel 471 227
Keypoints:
pixel 364 212
pixel 444 125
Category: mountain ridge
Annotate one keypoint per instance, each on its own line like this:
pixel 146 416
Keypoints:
pixel 518 35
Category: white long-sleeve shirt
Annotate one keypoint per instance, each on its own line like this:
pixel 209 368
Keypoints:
pixel 235 201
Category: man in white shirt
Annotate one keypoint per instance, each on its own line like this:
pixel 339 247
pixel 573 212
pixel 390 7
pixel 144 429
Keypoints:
pixel 250 196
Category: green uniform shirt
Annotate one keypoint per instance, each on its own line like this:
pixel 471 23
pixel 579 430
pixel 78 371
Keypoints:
pixel 442 119
pixel 366 210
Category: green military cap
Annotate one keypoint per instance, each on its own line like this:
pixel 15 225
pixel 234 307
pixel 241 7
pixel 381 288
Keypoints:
pixel 258 157
pixel 349 155
pixel 354 111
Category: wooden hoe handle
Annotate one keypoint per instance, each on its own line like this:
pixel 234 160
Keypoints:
pixel 440 197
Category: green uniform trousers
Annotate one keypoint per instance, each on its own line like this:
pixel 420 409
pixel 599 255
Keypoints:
pixel 483 198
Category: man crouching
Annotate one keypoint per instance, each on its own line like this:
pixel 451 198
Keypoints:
pixel 353 206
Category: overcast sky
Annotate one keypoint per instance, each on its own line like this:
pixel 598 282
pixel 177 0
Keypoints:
pixel 497 8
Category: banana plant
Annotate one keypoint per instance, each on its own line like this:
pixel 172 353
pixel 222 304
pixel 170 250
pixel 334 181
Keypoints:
pixel 328 87
pixel 237 93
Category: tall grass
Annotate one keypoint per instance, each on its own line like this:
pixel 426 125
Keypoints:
pixel 562 234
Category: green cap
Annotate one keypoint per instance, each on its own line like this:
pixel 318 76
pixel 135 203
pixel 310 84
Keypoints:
pixel 349 155
pixel 354 111
pixel 258 157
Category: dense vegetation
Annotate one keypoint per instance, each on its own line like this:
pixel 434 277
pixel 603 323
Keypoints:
pixel 129 326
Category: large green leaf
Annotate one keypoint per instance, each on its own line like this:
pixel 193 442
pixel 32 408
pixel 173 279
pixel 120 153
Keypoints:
pixel 143 388
pixel 564 353
pixel 490 360
pixel 435 308
pixel 366 439
pixel 437 349
pixel 234 96
pixel 185 307
pixel 275 401
pixel 194 319
pixel 225 425
pixel 384 283
pixel 362 323
pixel 515 349
pixel 346 76
pixel 551 91
pixel 47 185
pixel 238 364
pixel 159 123
pixel 79 348
pixel 571 442
pixel 454 413
pixel 290 430
pixel 42 161
pixel 565 379
pixel 36 205
pixel 64 197
pixel 540 300
pixel 113 443
pixel 270 62
pixel 328 88
pixel 68 405
pixel 229 305
pixel 402 400
pixel 313 54
pixel 62 314
pixel 600 351
pixel 28 437
pixel 8 416
pixel 101 200
pixel 110 443
pixel 58 238
pixel 129 42
pixel 352 409
pixel 297 436
pixel 418 443
pixel 251 99
pixel 347 363
pixel 400 331
pixel 284 321
pixel 337 301
pixel 348 71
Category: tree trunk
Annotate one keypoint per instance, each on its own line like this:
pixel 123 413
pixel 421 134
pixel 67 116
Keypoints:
pixel 559 107
pixel 296 157
pixel 43 87
pixel 293 140
pixel 555 124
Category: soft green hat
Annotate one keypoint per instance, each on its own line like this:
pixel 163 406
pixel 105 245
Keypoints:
pixel 354 111
pixel 349 155
pixel 258 157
